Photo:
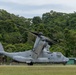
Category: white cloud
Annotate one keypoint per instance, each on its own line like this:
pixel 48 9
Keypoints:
pixel 42 2
pixel 33 7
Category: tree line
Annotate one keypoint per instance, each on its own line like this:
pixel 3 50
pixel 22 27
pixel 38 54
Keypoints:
pixel 58 26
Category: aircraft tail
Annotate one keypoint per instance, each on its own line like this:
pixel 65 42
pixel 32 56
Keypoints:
pixel 1 48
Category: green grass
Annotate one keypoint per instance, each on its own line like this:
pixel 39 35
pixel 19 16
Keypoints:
pixel 38 70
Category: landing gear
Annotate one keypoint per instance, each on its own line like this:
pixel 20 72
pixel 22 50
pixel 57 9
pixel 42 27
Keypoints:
pixel 31 63
pixel 64 63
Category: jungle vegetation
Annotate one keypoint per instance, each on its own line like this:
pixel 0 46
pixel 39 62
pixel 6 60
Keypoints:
pixel 55 25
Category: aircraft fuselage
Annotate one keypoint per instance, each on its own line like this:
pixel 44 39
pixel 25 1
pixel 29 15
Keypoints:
pixel 45 57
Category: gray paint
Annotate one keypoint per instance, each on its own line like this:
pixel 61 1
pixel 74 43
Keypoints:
pixel 39 54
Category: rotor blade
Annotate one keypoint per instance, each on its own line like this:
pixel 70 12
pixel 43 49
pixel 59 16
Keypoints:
pixel 50 42
pixel 35 33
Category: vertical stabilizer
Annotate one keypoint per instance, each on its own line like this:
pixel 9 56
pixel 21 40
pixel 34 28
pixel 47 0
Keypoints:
pixel 1 48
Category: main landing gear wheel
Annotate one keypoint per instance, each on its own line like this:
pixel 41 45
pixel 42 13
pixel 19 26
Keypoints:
pixel 31 63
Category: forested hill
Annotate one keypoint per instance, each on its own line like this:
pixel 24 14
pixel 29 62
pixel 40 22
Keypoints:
pixel 55 25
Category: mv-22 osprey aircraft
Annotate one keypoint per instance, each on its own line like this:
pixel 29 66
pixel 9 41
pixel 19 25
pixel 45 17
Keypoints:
pixel 39 54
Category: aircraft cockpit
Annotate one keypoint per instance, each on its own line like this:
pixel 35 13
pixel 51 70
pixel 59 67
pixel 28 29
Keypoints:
pixel 58 54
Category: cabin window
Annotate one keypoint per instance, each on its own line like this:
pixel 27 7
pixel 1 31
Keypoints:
pixel 58 55
pixel 48 58
pixel 51 55
pixel 29 55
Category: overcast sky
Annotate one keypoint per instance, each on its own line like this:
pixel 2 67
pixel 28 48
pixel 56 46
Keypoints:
pixel 31 8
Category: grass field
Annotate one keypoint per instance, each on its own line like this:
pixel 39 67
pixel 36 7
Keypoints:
pixel 38 70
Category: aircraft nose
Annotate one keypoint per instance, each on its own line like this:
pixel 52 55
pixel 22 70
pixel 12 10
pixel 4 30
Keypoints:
pixel 67 59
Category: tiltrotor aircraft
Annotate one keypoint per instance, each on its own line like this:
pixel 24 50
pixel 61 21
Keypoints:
pixel 39 54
